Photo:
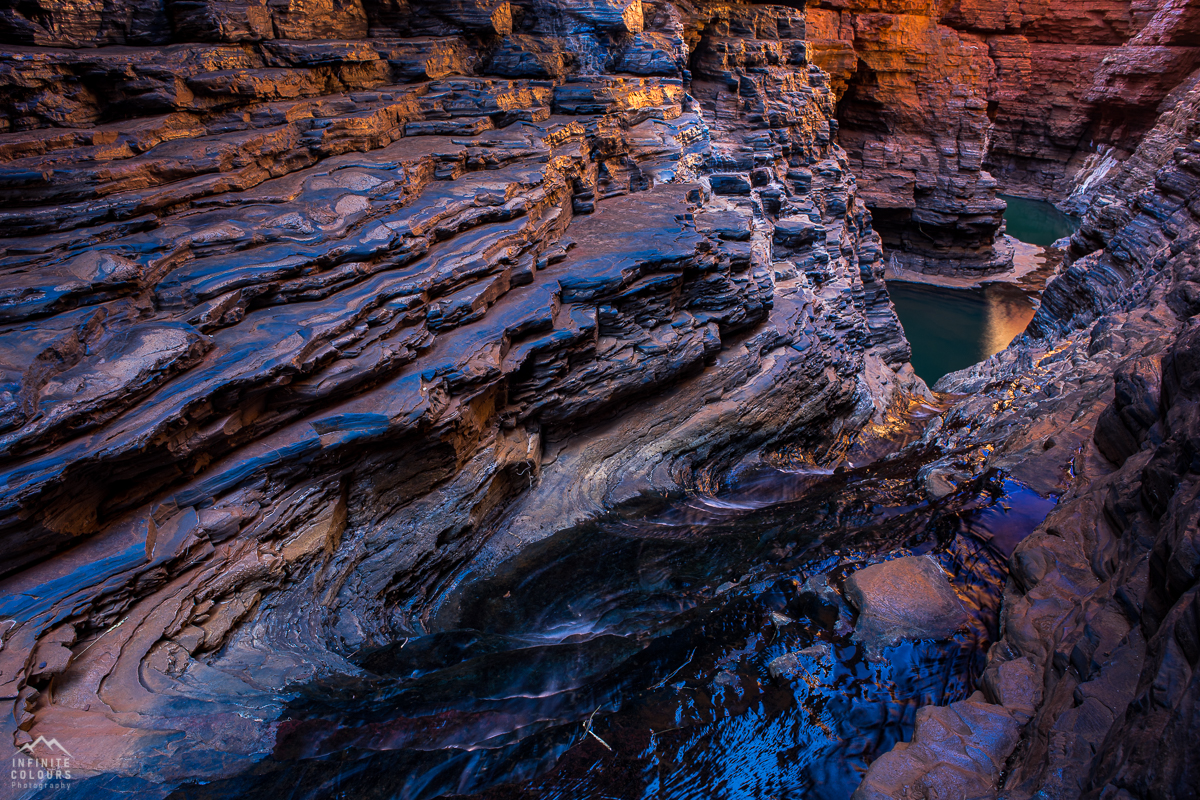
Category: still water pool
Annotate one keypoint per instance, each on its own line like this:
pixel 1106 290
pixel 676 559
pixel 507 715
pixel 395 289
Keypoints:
pixel 1036 222
pixel 951 329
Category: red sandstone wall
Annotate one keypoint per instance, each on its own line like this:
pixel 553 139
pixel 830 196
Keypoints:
pixel 1062 79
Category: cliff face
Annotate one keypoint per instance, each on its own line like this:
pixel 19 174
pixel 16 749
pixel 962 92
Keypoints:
pixel 1092 690
pixel 913 117
pixel 310 311
pixel 1078 89
pixel 943 104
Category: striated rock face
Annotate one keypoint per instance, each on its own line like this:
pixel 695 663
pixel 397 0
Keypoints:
pixel 1097 666
pixel 312 314
pixel 942 104
pixel 318 319
pixel 913 115
pixel 1078 89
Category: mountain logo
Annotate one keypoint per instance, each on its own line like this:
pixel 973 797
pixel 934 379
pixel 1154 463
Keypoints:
pixel 50 744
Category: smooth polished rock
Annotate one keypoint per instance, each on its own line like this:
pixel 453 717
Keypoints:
pixel 906 598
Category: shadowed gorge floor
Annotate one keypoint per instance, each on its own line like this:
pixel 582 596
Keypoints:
pixel 669 654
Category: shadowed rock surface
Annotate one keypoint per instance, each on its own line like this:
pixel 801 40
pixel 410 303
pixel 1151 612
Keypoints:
pixel 390 392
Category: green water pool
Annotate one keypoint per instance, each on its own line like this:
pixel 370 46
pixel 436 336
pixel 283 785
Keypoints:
pixel 1036 222
pixel 951 329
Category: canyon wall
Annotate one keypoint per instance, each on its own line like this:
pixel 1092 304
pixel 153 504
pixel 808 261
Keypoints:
pixel 942 104
pixel 311 310
pixel 1092 690
pixel 913 117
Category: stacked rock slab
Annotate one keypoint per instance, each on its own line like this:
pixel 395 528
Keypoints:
pixel 310 309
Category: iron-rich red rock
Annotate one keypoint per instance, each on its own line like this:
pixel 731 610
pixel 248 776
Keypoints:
pixel 312 313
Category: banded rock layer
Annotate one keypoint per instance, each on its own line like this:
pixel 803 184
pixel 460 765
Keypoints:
pixel 343 321
pixel 943 104
pixel 313 315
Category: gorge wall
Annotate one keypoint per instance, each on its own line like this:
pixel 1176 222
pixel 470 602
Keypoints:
pixel 314 314
pixel 309 311
pixel 1092 690
pixel 943 104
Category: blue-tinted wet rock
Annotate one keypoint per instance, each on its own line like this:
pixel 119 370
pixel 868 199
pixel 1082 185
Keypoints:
pixel 906 598
pixel 791 666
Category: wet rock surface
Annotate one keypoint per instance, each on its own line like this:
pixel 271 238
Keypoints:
pixel 1092 401
pixel 957 750
pixel 908 598
pixel 342 344
pixel 766 662
pixel 315 319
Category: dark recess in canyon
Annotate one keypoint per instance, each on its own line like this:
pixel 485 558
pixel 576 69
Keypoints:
pixel 321 320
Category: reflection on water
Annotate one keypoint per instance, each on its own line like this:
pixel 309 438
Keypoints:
pixel 1008 312
pixel 1036 222
pixel 630 658
pixel 951 329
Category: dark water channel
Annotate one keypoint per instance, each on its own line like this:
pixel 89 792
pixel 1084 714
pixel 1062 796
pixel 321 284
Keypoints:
pixel 951 329
pixel 629 658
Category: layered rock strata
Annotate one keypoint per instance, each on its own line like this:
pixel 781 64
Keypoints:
pixel 314 313
pixel 943 104
pixel 913 116
pixel 1091 692
pixel 308 311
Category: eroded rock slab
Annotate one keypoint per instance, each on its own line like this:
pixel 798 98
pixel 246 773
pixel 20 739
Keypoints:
pixel 310 312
